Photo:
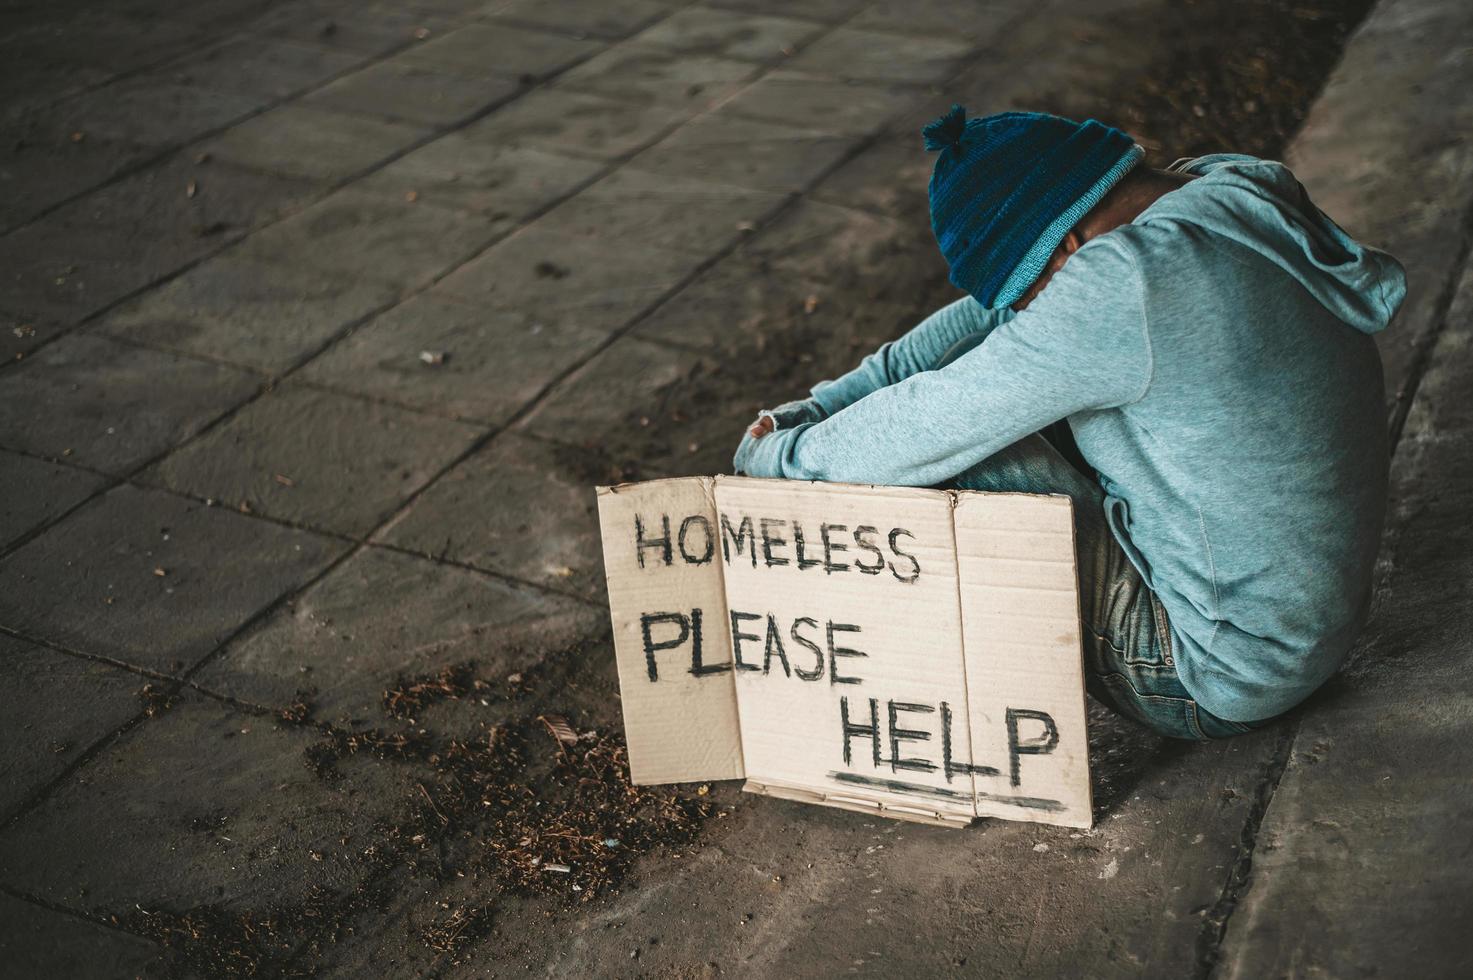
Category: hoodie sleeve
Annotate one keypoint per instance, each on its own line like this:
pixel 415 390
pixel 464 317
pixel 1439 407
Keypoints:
pixel 1082 344
pixel 918 350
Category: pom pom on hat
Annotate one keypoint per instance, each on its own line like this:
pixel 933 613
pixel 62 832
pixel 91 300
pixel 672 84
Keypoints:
pixel 946 131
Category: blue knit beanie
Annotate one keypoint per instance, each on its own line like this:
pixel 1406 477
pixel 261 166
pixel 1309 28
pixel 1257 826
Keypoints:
pixel 1006 189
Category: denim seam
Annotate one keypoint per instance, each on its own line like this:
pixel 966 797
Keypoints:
pixel 1124 657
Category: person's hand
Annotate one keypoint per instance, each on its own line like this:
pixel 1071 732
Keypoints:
pixel 761 427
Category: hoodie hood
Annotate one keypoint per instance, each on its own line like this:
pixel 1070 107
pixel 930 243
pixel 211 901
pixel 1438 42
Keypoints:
pixel 1259 204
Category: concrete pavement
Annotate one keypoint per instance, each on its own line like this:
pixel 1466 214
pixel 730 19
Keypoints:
pixel 323 318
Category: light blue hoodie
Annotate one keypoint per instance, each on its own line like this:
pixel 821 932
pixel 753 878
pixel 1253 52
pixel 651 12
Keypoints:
pixel 1214 360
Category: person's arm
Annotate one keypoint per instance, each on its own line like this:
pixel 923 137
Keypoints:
pixel 917 350
pixel 1082 344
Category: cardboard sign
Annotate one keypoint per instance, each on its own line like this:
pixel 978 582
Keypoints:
pixel 913 653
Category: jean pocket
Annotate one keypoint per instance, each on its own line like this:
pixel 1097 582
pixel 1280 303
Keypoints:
pixel 1165 714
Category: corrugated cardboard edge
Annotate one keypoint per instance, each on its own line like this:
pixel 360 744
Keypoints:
pixel 708 487
pixel 859 803
pixel 981 799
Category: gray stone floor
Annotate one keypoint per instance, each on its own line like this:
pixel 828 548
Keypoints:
pixel 322 318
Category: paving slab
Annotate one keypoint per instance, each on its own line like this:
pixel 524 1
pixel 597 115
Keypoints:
pixel 787 889
pixel 835 105
pixel 109 405
pixel 154 110
pixel 1401 179
pixel 730 34
pixel 577 123
pixel 19 335
pixel 1361 864
pixel 491 363
pixel 610 19
pixel 386 238
pixel 505 183
pixel 728 149
pixel 408 94
pixel 33 491
pixel 632 372
pixel 697 217
pixel 60 706
pixel 179 209
pixel 300 141
pixel 200 806
pixel 91 583
pixel 261 314
pixel 372 29
pixel 847 52
pixel 38 942
pixel 731 307
pixel 498 50
pixel 383 616
pixel 294 453
pixel 551 537
pixel 269 68
pixel 823 241
pixel 647 73
pixel 40 169
pixel 941 18
pixel 50 271
pixel 111 39
pixel 823 11
pixel 890 177
pixel 569 280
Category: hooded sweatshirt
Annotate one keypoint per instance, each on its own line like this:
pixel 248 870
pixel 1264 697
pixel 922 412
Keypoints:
pixel 1215 363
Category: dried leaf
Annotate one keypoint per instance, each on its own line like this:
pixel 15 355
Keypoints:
pixel 559 728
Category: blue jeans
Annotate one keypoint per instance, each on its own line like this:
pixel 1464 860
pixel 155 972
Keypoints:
pixel 1129 659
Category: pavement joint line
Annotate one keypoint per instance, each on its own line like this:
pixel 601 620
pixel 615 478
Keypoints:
pixel 168 149
pixel 83 758
pixel 7 549
pixel 1240 878
pixel 328 343
pixel 787 200
pixel 89 917
pixel 1422 356
pixel 1239 882
pixel 163 62
pixel 330 188
pixel 96 658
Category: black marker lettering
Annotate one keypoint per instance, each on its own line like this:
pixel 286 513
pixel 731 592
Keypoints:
pixel 662 543
pixel 730 539
pixel 829 547
pixel 836 651
pixel 798 546
pixel 898 735
pixel 915 566
pixel 817 672
pixel 646 622
pixel 948 765
pixel 737 636
pixel 774 644
pixel 697 665
pixel 863 545
pixel 705 526
pixel 870 731
pixel 770 541
pixel 1037 746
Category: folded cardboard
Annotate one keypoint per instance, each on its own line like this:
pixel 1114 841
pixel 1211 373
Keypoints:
pixel 908 652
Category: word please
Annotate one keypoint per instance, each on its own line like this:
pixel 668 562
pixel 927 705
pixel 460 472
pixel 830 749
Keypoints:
pixel 677 629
